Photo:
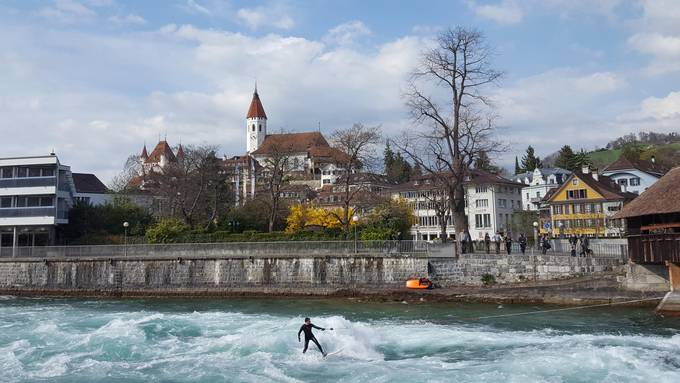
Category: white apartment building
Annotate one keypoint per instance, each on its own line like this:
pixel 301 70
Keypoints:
pixel 490 203
pixel 634 176
pixel 36 194
pixel 538 183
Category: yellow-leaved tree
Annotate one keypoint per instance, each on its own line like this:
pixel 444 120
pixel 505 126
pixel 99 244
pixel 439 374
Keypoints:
pixel 301 216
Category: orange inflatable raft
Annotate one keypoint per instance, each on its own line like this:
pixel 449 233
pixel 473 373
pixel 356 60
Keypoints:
pixel 422 283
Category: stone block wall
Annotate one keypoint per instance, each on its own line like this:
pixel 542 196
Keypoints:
pixel 216 275
pixel 470 268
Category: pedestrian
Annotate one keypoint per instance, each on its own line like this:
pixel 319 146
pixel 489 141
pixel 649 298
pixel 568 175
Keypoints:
pixel 463 242
pixel 508 243
pixel 487 242
pixel 497 242
pixel 585 246
pixel 522 240
pixel 545 243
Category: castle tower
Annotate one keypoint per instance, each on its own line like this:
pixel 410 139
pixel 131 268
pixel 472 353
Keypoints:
pixel 256 124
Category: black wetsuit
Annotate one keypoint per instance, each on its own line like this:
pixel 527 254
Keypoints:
pixel 307 328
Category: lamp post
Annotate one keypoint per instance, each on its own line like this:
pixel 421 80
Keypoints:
pixel 125 229
pixel 355 219
pixel 560 225
pixel 535 234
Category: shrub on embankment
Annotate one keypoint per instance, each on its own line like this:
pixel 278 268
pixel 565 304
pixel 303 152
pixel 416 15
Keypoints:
pixel 174 231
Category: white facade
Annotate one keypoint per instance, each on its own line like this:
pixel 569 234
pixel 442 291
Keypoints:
pixel 538 183
pixel 256 130
pixel 632 180
pixel 36 194
pixel 490 208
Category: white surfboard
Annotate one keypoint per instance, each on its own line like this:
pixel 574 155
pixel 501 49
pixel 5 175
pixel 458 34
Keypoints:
pixel 333 353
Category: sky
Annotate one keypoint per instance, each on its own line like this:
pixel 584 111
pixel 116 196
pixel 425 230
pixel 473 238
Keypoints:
pixel 96 79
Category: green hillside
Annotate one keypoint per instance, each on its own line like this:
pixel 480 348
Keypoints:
pixel 668 154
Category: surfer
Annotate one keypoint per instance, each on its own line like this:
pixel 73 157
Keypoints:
pixel 307 328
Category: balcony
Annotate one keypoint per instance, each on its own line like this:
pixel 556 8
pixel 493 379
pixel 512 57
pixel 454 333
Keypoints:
pixel 21 212
pixel 27 182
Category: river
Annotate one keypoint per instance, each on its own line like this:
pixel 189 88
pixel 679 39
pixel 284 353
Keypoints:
pixel 254 340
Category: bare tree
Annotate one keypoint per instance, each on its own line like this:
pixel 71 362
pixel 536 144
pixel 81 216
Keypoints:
pixel 276 168
pixel 356 152
pixel 193 187
pixel 458 128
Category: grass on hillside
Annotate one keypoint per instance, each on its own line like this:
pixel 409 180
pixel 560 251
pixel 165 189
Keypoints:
pixel 603 158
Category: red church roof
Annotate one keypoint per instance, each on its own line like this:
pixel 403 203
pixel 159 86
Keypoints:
pixel 162 148
pixel 145 155
pixel 256 109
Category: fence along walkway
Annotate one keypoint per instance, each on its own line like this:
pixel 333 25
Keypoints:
pixel 560 247
pixel 226 249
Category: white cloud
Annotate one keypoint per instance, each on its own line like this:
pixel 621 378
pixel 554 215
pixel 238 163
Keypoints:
pixel 657 35
pixel 347 33
pixel 193 6
pixel 97 98
pixel 272 16
pixel 504 12
pixel 127 19
pixel 557 107
pixel 67 12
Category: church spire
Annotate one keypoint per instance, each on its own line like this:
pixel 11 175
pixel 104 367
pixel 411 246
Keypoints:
pixel 144 155
pixel 256 109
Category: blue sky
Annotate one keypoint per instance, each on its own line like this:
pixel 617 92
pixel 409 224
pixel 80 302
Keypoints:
pixel 95 79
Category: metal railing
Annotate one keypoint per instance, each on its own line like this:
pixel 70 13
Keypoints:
pixel 562 248
pixel 27 182
pixel 226 249
pixel 15 212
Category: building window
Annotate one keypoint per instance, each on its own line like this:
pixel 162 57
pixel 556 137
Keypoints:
pixel 577 194
pixel 482 203
pixel 502 203
pixel 5 202
pixel 6 172
pixel 557 209
pixel 635 182
pixel 482 220
pixel 253 127
pixel 259 127
pixel 538 194
pixel 574 181
pixel 527 195
pixel 326 181
pixel 481 189
pixel 623 181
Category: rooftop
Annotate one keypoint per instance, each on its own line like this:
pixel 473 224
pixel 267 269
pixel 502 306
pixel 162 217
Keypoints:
pixel 89 183
pixel 663 197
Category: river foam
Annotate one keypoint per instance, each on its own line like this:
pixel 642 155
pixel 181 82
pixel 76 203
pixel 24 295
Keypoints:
pixel 70 341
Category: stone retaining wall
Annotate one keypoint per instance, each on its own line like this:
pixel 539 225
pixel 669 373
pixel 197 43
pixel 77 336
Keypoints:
pixel 201 274
pixel 469 268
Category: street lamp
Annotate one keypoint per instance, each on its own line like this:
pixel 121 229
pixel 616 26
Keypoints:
pixel 560 225
pixel 535 234
pixel 125 229
pixel 355 219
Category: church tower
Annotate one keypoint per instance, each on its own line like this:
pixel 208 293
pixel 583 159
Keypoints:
pixel 256 124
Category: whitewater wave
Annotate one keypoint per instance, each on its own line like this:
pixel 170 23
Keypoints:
pixel 81 343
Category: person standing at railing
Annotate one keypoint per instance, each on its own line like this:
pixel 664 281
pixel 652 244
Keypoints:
pixel 508 243
pixel 497 241
pixel 522 240
pixel 487 242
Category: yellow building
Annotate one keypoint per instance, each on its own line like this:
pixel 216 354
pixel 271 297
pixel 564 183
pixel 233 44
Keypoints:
pixel 585 204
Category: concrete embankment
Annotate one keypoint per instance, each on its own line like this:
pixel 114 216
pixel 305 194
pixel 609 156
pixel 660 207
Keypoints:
pixel 518 278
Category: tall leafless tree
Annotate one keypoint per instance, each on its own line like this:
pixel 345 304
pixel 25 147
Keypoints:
pixel 276 168
pixel 446 95
pixel 356 153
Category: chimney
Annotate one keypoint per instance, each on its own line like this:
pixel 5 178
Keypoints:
pixel 596 176
pixel 585 169
pixel 653 159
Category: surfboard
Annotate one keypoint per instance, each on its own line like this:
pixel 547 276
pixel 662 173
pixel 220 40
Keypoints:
pixel 333 353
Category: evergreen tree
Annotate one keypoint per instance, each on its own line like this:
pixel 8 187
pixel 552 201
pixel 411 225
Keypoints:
pixel 397 169
pixel 483 162
pixel 530 162
pixel 518 169
pixel 566 159
pixel 581 159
